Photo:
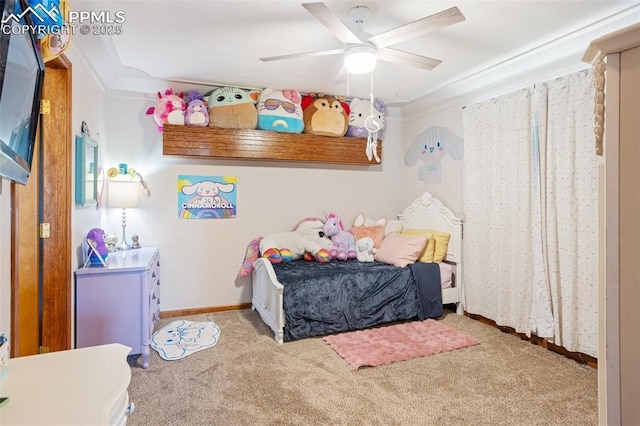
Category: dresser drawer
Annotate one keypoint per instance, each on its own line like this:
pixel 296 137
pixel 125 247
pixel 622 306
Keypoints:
pixel 120 411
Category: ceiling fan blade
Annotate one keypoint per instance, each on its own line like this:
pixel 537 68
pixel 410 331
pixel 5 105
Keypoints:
pixel 322 13
pixel 418 28
pixel 405 58
pixel 302 55
pixel 342 76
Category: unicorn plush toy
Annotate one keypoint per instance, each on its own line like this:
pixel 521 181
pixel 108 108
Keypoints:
pixel 307 240
pixel 344 243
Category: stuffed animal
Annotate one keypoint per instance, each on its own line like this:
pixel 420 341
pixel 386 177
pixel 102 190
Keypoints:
pixel 391 226
pixel 169 109
pixel 233 108
pixel 360 109
pixel 307 237
pixel 95 239
pixel 197 113
pixel 365 249
pixel 344 243
pixel 251 255
pixel 280 111
pixel 325 115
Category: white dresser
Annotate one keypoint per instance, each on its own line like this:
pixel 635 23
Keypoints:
pixel 76 387
pixel 119 303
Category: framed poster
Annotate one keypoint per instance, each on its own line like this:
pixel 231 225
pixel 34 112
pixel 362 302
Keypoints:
pixel 206 197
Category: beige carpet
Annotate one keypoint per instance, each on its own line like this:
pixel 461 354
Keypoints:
pixel 248 379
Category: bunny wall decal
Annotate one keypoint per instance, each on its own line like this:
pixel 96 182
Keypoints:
pixel 430 147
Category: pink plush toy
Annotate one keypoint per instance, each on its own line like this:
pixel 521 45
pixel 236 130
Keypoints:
pixel 344 243
pixel 169 109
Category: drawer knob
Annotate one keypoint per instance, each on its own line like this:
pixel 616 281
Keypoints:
pixel 153 274
pixel 130 409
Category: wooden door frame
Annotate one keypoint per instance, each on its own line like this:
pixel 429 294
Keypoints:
pixel 50 181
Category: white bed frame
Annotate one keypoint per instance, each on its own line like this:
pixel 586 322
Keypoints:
pixel 425 212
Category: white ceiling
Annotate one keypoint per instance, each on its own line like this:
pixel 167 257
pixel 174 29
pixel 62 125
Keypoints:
pixel 219 43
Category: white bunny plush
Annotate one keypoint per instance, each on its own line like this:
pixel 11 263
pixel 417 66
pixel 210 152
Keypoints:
pixel 365 249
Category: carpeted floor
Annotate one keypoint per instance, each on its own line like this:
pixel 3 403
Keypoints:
pixel 248 379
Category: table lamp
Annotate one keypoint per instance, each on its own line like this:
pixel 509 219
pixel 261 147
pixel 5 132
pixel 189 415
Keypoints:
pixel 123 194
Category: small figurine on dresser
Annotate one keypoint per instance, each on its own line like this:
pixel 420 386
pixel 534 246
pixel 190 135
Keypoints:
pixel 111 240
pixel 135 244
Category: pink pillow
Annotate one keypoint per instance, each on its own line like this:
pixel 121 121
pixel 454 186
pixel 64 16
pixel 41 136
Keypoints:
pixel 400 250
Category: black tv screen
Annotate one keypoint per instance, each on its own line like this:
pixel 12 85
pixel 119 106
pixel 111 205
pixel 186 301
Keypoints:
pixel 21 78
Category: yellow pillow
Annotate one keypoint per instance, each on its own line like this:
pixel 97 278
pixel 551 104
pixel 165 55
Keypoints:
pixel 427 254
pixel 437 245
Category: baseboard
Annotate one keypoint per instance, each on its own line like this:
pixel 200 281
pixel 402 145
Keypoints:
pixel 576 356
pixel 205 310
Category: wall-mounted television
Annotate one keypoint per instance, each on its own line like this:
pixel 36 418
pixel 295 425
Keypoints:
pixel 21 78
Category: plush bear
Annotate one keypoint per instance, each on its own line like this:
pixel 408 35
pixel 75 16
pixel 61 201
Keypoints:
pixel 344 243
pixel 233 108
pixel 365 249
pixel 280 111
pixel 325 115
pixel 307 238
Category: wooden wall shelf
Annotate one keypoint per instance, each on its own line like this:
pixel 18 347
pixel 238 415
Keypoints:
pixel 263 145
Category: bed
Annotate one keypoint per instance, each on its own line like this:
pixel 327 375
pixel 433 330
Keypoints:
pixel 281 309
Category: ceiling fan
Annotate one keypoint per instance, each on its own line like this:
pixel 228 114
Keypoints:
pixel 362 49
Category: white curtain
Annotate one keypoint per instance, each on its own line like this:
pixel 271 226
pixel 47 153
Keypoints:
pixel 530 199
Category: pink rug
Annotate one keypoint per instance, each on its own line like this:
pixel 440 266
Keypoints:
pixel 384 345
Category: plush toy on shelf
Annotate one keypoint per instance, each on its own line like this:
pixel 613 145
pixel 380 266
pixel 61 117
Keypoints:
pixel 344 243
pixel 360 109
pixel 365 249
pixel 325 115
pixel 280 111
pixel 233 108
pixel 307 240
pixel 197 113
pixel 169 109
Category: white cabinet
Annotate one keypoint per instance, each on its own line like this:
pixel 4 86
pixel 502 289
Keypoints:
pixel 76 387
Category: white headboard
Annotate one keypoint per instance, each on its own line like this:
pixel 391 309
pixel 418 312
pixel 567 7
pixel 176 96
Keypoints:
pixel 427 212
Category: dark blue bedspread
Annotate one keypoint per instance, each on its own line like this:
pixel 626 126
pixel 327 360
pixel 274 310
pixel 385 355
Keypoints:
pixel 324 298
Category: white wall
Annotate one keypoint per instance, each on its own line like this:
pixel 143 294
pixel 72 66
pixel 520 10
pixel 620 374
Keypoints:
pixel 89 105
pixel 201 258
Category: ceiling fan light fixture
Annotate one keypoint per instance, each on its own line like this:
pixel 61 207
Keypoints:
pixel 360 59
